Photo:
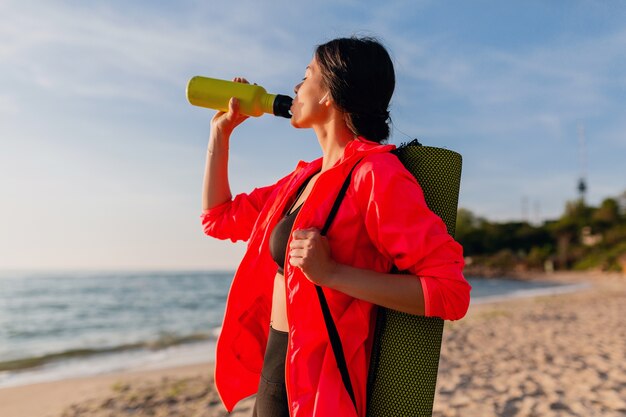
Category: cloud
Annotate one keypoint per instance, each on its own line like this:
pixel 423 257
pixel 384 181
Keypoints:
pixel 101 52
pixel 551 84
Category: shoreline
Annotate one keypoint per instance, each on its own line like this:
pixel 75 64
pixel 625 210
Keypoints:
pixel 542 355
pixel 565 288
pixel 132 360
pixel 199 348
pixel 555 276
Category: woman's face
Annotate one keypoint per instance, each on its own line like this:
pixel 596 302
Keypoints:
pixel 309 105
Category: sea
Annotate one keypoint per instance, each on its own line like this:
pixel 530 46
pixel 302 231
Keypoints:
pixel 59 325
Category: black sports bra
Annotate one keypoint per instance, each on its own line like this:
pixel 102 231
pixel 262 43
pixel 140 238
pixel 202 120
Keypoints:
pixel 280 234
pixel 280 237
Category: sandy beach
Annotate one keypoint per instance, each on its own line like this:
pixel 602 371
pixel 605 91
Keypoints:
pixel 180 391
pixel 557 355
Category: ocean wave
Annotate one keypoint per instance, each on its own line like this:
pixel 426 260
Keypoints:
pixel 163 341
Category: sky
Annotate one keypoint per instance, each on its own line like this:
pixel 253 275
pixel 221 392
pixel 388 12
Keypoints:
pixel 102 157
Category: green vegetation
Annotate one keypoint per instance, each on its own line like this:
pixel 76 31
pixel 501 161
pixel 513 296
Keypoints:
pixel 583 238
pixel 119 387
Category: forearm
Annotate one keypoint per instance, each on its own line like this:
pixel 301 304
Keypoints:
pixel 216 187
pixel 396 291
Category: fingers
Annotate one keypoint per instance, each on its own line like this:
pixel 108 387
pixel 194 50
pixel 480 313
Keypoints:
pixel 233 103
pixel 227 121
pixel 305 233
pixel 306 242
pixel 303 241
pixel 310 251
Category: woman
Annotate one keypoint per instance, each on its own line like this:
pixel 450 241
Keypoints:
pixel 274 341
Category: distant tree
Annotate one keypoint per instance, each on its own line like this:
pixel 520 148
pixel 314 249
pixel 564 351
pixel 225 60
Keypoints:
pixel 605 216
pixel 577 213
pixel 469 232
pixel 538 256
pixel 466 221
pixel 566 230
pixel 615 235
pixel 567 240
pixel 528 237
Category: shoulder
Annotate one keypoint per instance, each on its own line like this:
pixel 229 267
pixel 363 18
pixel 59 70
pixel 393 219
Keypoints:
pixel 382 168
pixel 382 179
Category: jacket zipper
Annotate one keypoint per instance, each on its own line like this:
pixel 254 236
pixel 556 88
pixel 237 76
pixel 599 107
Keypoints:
pixel 285 266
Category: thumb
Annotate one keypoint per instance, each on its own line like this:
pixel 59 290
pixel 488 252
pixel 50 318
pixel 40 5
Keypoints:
pixel 233 106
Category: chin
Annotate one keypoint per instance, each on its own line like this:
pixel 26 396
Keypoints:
pixel 294 122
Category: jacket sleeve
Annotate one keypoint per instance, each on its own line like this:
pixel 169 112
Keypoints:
pixel 406 231
pixel 235 219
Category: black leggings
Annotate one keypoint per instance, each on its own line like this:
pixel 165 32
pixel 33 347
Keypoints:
pixel 271 398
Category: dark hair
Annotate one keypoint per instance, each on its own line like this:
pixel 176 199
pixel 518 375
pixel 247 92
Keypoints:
pixel 359 75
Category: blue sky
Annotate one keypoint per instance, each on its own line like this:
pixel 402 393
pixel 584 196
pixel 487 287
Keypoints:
pixel 102 157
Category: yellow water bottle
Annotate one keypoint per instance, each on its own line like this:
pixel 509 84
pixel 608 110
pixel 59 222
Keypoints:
pixel 254 100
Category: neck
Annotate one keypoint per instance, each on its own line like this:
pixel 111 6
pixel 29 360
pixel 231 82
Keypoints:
pixel 333 138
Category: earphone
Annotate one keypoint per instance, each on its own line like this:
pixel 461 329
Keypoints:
pixel 323 98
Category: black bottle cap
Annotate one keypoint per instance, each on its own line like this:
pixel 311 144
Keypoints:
pixel 282 106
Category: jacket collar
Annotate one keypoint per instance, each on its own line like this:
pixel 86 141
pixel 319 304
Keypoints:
pixel 355 150
pixel 360 147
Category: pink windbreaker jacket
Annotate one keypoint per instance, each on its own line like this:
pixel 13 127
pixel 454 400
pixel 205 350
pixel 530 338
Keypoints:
pixel 382 221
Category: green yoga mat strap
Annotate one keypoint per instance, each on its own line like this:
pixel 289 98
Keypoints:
pixel 405 356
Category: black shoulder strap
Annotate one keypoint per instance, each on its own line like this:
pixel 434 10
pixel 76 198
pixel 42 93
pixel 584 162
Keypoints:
pixel 333 334
pixel 338 200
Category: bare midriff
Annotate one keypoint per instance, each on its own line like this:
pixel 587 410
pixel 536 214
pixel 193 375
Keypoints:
pixel 279 305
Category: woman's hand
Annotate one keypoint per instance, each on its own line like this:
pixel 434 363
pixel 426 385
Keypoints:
pixel 223 123
pixel 310 252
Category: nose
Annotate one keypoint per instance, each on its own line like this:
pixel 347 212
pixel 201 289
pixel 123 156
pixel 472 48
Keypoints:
pixel 297 87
